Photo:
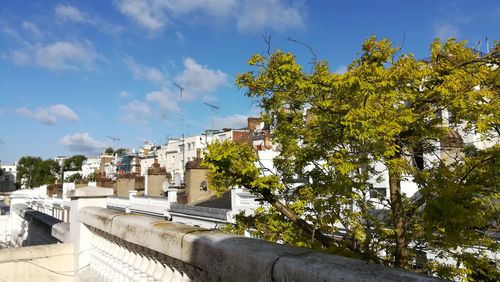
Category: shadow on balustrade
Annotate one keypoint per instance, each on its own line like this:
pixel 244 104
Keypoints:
pixel 38 227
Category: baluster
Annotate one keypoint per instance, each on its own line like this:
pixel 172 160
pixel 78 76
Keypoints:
pixel 131 263
pixel 144 266
pixel 121 267
pixel 176 277
pixel 96 242
pixel 151 269
pixel 115 266
pixel 159 270
pixel 125 265
pixel 137 266
pixel 186 278
pixel 107 261
pixel 167 274
pixel 99 258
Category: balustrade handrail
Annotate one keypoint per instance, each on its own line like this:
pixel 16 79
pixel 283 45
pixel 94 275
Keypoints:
pixel 234 258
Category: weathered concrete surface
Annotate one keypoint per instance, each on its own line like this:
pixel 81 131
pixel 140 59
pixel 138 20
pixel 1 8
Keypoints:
pixel 233 258
pixel 60 231
pixel 37 263
pixel 90 192
pixel 315 266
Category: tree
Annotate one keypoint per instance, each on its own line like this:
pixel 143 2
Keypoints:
pixel 73 177
pixel 380 120
pixel 109 151
pixel 91 177
pixel 74 163
pixel 33 171
pixel 120 151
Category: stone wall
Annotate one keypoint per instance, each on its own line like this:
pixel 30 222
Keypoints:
pixel 192 253
pixel 38 263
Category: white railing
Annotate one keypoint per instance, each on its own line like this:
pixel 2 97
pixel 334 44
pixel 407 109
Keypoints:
pixel 114 260
pixel 157 206
pixel 141 248
pixel 243 200
pixel 111 245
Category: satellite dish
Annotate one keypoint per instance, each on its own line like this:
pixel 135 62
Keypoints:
pixel 165 186
pixel 204 185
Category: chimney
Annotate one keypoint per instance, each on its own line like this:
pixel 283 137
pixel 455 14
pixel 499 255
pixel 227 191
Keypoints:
pixel 267 140
pixel 198 154
pixel 253 122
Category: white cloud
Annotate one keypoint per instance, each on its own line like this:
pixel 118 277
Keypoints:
pixel 249 15
pixel 136 112
pixel 199 79
pixel 166 99
pixel 10 32
pixel 215 8
pixel 258 15
pixel 33 28
pixel 180 37
pixel 20 57
pixel 82 143
pixel 144 72
pixel 125 94
pixel 60 55
pixel 444 30
pixel 71 13
pixel 49 115
pixel 146 13
pixel 232 121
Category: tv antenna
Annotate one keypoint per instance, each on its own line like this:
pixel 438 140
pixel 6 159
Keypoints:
pixel 114 140
pixel 213 108
pixel 182 124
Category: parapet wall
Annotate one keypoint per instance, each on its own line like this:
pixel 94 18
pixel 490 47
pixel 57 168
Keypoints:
pixel 38 263
pixel 30 227
pixel 208 255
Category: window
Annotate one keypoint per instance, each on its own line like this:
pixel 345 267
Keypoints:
pixel 376 192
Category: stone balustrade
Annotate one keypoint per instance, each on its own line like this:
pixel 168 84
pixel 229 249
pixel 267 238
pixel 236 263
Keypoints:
pixel 140 248
pixel 113 245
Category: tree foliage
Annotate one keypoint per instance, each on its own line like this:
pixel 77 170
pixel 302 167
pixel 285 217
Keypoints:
pixel 74 162
pixel 91 177
pixel 34 172
pixel 73 177
pixel 109 151
pixel 382 120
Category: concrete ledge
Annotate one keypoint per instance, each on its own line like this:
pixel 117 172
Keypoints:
pixel 60 231
pixel 320 267
pixel 33 252
pixel 38 263
pixel 235 258
pixel 90 192
pixel 42 228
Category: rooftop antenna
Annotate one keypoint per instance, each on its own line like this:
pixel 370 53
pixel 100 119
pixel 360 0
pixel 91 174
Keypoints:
pixel 487 46
pixel 114 140
pixel 213 108
pixel 182 125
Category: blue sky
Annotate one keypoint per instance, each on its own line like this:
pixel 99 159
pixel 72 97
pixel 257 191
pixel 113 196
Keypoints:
pixel 74 72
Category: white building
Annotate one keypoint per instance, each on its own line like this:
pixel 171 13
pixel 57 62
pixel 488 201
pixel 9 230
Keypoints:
pixel 90 165
pixel 176 153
